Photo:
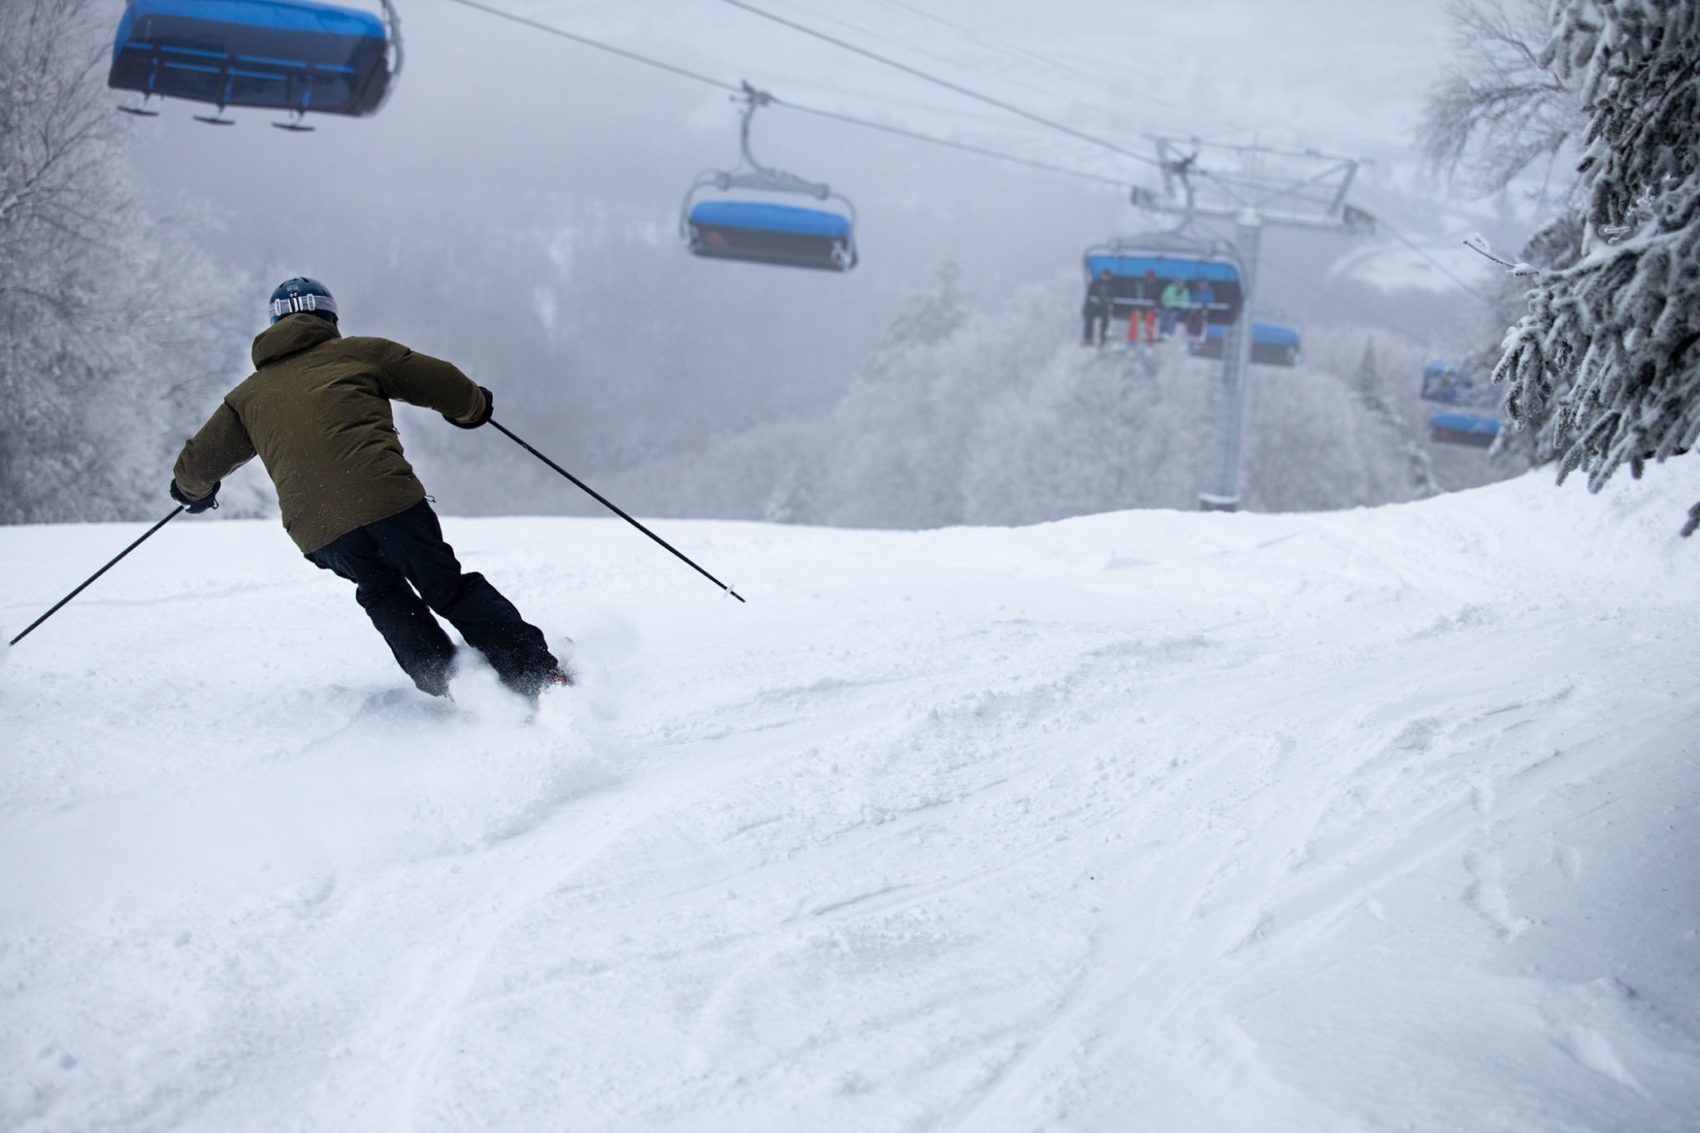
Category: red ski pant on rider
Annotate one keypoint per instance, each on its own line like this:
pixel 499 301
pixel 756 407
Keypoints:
pixel 1149 316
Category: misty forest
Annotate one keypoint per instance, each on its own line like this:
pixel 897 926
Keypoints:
pixel 515 208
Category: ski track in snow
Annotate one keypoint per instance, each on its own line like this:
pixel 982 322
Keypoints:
pixel 1367 820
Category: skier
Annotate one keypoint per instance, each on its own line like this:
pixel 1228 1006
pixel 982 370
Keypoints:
pixel 1096 309
pixel 317 412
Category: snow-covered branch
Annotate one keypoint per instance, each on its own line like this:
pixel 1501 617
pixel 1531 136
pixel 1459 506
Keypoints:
pixel 1610 348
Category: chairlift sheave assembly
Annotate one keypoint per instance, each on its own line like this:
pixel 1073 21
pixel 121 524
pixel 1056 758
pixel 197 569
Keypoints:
pixel 744 224
pixel 297 56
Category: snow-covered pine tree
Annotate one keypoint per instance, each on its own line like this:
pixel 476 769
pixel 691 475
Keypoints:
pixel 1506 121
pixel 113 333
pixel 1554 247
pixel 1368 388
pixel 931 318
pixel 1611 345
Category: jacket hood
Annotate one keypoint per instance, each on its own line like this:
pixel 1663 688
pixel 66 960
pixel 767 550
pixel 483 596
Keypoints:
pixel 291 335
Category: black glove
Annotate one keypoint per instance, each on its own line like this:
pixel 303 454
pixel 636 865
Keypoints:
pixel 196 507
pixel 482 418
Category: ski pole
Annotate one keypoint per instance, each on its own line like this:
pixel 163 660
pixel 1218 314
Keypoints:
pixel 61 603
pixel 605 502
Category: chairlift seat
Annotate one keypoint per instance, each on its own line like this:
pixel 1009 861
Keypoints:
pixel 1474 429
pixel 767 232
pixel 1272 344
pixel 1128 268
pixel 1446 384
pixel 289 55
pixel 1274 334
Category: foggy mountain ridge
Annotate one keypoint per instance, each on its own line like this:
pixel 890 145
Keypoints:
pixel 994 424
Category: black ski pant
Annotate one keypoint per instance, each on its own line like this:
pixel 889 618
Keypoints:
pixel 1097 321
pixel 402 570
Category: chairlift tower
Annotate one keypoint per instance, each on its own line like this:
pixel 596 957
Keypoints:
pixel 1252 186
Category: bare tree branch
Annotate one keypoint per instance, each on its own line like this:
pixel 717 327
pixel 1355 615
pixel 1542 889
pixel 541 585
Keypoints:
pixel 1501 110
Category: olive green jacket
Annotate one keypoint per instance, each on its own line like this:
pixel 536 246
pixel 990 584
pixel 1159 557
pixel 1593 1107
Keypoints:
pixel 317 412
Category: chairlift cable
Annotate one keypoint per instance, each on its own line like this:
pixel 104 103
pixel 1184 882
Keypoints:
pixel 801 108
pixel 1436 264
pixel 946 83
pixel 1221 183
pixel 1225 182
pixel 959 89
pixel 1334 296
pixel 965 147
pixel 913 135
pixel 1014 52
pixel 1162 105
pixel 982 38
pixel 936 58
pixel 633 56
pixel 1226 179
pixel 1293 192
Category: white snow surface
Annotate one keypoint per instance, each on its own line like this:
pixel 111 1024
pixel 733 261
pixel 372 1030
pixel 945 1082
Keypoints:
pixel 1142 821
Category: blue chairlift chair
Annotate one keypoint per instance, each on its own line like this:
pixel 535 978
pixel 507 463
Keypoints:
pixel 290 55
pixel 1454 427
pixel 1272 343
pixel 750 227
pixel 1128 259
pixel 1472 417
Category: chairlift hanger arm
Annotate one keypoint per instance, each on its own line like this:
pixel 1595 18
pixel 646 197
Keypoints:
pixel 750 235
pixel 753 101
pixel 750 173
pixel 393 21
pixel 764 180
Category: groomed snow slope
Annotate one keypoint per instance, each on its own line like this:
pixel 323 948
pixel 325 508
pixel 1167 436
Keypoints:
pixel 1144 821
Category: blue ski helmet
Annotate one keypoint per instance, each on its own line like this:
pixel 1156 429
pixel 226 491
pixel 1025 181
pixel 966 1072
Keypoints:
pixel 303 294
